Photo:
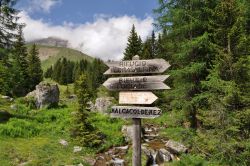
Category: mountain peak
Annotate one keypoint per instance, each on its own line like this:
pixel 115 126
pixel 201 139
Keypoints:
pixel 51 41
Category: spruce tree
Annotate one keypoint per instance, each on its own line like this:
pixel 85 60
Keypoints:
pixel 83 131
pixel 34 67
pixel 8 30
pixel 63 72
pixel 228 83
pixel 149 50
pixel 187 27
pixel 48 73
pixel 134 45
pixel 8 23
pixel 207 44
pixel 20 66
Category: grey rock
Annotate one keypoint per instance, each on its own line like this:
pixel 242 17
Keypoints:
pixel 122 147
pixel 7 98
pixel 52 41
pixel 63 142
pixel 103 103
pixel 45 95
pixel 176 147
pixel 117 162
pixel 127 132
pixel 91 106
pixel 13 107
pixel 77 149
pixel 163 156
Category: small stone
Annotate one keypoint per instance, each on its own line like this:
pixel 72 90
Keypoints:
pixel 77 149
pixel 123 147
pixel 176 147
pixel 6 97
pixel 164 155
pixel 13 107
pixel 117 162
pixel 63 142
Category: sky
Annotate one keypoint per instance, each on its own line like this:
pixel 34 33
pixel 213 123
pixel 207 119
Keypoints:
pixel 99 28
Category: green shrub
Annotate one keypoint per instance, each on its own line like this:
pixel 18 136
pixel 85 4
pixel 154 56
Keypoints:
pixel 191 160
pixel 19 128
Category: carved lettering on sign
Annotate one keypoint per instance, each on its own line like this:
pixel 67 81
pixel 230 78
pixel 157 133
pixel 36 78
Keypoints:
pixel 137 66
pixel 137 83
pixel 135 112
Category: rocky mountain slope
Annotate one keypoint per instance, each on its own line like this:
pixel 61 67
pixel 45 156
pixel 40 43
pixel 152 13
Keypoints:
pixel 51 49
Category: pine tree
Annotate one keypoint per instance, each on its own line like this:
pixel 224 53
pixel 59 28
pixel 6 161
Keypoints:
pixel 134 45
pixel 149 50
pixel 8 23
pixel 63 72
pixel 48 73
pixel 187 27
pixel 34 67
pixel 207 44
pixel 57 68
pixel 228 83
pixel 20 66
pixel 8 30
pixel 83 131
pixel 5 74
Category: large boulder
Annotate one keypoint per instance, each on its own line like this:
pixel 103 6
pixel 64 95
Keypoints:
pixel 45 95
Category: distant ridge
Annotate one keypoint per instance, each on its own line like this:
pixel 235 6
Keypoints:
pixel 51 41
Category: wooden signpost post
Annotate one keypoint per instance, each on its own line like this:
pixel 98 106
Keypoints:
pixel 133 92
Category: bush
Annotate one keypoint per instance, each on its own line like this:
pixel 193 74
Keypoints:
pixel 19 128
pixel 190 160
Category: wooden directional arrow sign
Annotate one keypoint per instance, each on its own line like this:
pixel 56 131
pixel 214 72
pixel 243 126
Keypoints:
pixel 137 66
pixel 137 83
pixel 135 112
pixel 137 98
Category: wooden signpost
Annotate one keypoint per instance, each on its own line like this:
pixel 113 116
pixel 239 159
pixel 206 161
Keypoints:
pixel 137 66
pixel 133 92
pixel 137 83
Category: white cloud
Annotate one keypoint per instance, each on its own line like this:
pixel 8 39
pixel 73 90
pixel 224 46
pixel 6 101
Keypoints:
pixel 42 5
pixel 105 38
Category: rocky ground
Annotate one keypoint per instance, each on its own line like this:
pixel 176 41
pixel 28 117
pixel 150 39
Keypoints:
pixel 157 150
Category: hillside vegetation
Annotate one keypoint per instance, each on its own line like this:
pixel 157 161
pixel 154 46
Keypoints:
pixel 50 54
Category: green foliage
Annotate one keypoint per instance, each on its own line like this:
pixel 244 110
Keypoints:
pixel 83 131
pixel 191 160
pixel 207 44
pixel 20 67
pixel 149 50
pixel 57 53
pixel 34 67
pixel 8 23
pixel 134 45
pixel 66 72
pixel 111 129
pixel 19 128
